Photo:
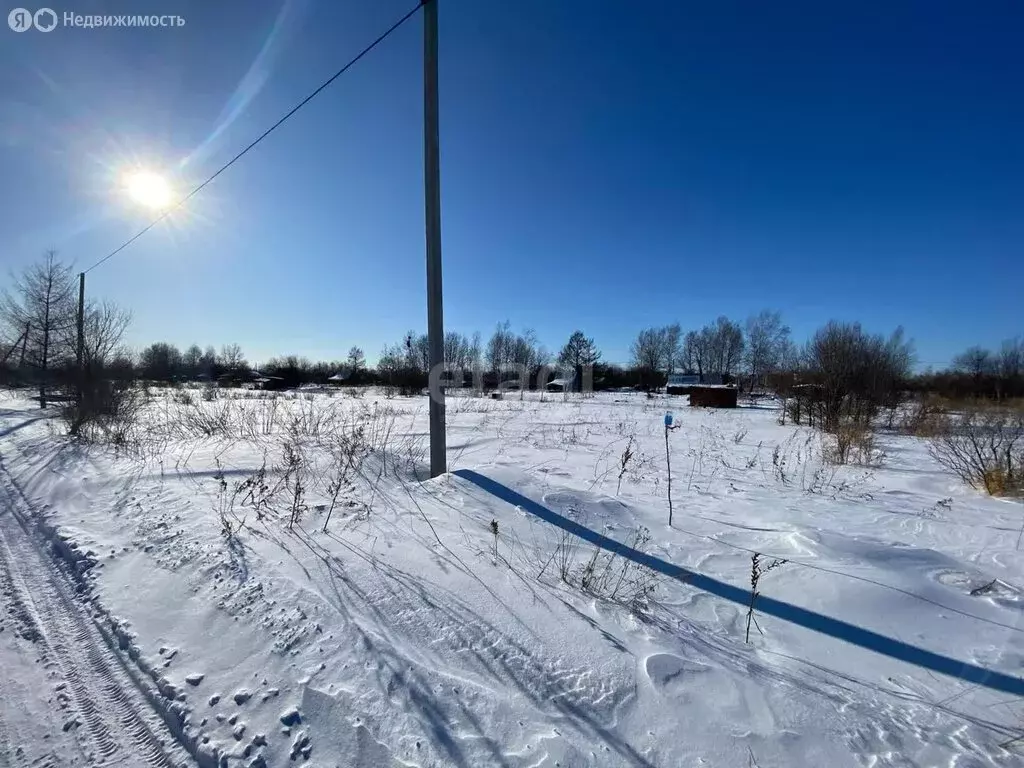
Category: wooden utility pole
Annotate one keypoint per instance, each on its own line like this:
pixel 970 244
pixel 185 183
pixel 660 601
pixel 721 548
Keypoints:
pixel 432 211
pixel 14 346
pixel 24 345
pixel 81 343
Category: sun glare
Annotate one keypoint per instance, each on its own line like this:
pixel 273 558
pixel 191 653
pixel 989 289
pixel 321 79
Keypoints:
pixel 148 189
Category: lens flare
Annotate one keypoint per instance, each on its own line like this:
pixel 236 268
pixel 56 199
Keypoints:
pixel 148 189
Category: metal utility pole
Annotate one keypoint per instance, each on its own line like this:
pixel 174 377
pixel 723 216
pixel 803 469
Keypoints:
pixel 432 210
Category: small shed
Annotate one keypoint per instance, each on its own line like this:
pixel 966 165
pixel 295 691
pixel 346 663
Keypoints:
pixel 714 396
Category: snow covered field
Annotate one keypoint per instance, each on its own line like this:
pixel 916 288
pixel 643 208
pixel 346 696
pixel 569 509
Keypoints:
pixel 435 624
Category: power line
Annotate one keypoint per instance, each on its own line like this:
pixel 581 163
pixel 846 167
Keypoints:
pixel 262 136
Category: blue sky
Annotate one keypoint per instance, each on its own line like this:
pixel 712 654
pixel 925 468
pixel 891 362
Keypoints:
pixel 605 166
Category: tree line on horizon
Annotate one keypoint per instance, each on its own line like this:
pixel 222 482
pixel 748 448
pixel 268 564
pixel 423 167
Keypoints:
pixel 38 343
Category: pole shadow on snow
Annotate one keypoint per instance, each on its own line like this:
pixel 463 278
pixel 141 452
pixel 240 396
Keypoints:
pixel 11 430
pixel 803 617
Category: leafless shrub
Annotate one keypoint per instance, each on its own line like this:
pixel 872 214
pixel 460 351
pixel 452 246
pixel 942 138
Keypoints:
pixel 311 419
pixel 820 480
pixel 627 456
pixel 224 506
pixel 268 414
pixel 256 491
pixel 985 448
pixel 925 417
pixel 779 465
pixel 855 373
pixel 294 476
pixel 618 579
pixel 852 443
pixel 346 459
pixel 108 412
pixel 563 556
pixel 757 570
pixel 206 420
pixel 740 435
pixel 752 461
pixel 604 574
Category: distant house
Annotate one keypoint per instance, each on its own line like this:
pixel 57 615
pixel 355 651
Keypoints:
pixel 566 383
pixel 235 379
pixel 339 378
pixel 262 381
pixel 681 383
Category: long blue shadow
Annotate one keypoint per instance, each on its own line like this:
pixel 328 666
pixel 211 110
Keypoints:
pixel 11 430
pixel 818 622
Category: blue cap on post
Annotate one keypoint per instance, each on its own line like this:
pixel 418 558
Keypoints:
pixel 668 419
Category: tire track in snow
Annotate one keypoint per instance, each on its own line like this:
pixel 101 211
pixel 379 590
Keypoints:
pixel 119 722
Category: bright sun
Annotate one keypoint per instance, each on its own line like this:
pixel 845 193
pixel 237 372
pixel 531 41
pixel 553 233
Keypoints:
pixel 148 189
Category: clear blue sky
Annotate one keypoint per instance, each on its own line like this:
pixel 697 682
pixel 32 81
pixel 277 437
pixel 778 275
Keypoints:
pixel 605 165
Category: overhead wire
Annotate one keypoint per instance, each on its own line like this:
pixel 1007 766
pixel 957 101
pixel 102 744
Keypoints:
pixel 351 62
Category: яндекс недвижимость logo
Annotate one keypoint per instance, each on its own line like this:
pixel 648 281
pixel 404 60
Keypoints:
pixel 22 19
pixel 46 20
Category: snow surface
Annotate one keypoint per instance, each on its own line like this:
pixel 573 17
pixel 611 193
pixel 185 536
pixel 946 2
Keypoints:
pixel 410 634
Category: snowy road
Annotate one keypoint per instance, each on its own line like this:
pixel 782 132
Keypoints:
pixel 70 698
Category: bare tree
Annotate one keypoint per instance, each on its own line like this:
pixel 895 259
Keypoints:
pixel 501 348
pixel 655 353
pixel 648 350
pixel 390 363
pixel 104 327
pixel 696 353
pixel 161 361
pixel 671 338
pixel 192 361
pixel 767 342
pixel 208 363
pixel 726 340
pixel 527 355
pixel 356 360
pixel 475 351
pixel 688 353
pixel 714 349
pixel 1011 358
pixel 976 362
pixel 458 351
pixel 417 351
pixel 231 357
pixel 42 300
